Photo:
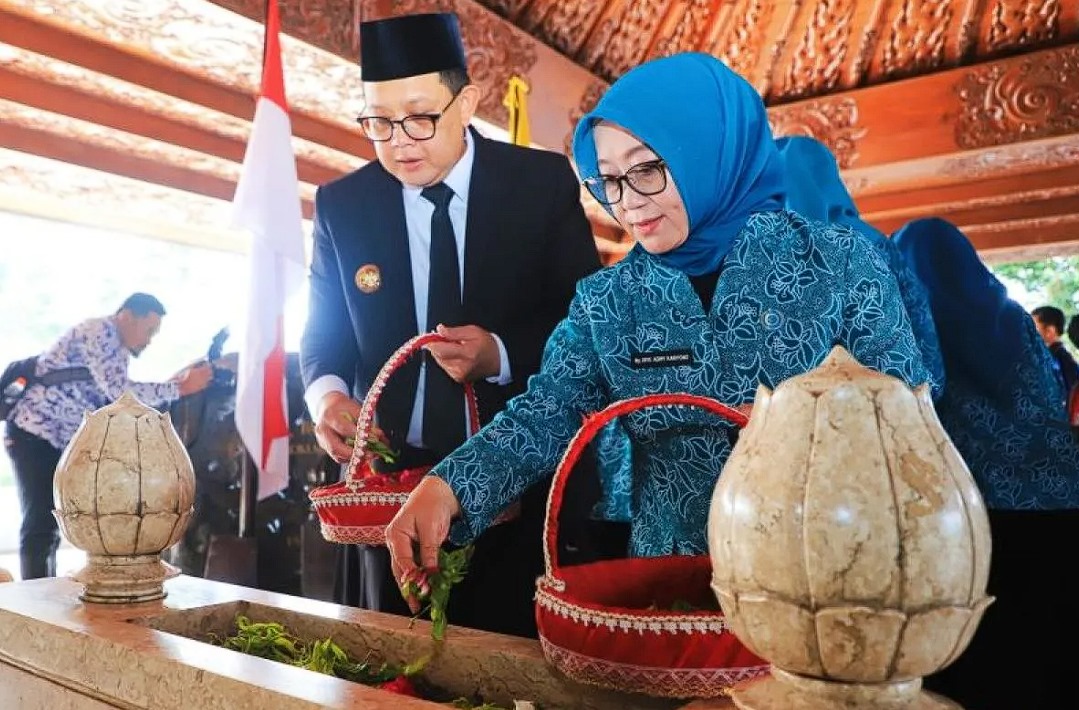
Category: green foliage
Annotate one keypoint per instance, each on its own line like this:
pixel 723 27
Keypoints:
pixel 432 589
pixel 466 704
pixel 272 641
pixel 1054 280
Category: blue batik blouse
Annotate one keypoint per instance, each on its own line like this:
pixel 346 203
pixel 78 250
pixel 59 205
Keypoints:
pixel 788 292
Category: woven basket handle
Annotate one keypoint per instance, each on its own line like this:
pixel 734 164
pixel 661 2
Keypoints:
pixel 592 425
pixel 370 402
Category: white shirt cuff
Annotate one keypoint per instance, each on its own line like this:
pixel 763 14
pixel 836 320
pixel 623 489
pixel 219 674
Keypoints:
pixel 319 389
pixel 504 375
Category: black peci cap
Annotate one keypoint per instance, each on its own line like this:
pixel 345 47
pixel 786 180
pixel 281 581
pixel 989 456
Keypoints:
pixel 410 45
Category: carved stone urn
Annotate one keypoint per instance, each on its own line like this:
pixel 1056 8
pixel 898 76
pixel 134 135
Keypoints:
pixel 849 544
pixel 124 492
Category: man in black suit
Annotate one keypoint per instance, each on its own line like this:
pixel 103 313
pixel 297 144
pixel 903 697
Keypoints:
pixel 482 240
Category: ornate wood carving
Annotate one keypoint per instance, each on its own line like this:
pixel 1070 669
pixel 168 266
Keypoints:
pixel 325 23
pixel 620 40
pixel 740 47
pixel 818 60
pixel 1021 23
pixel 1005 103
pixel 832 121
pixel 566 26
pixel 688 34
pixel 588 102
pixel 591 52
pixel 507 8
pixel 915 41
pixel 533 14
pixel 630 41
pixel 495 53
pixel 830 44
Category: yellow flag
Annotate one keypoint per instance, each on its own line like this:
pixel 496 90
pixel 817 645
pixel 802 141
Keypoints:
pixel 517 103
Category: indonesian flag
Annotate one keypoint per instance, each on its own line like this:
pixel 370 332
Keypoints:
pixel 267 204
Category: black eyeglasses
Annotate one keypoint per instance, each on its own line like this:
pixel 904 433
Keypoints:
pixel 647 178
pixel 418 126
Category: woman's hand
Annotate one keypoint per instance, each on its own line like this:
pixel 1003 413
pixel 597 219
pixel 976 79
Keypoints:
pixel 423 523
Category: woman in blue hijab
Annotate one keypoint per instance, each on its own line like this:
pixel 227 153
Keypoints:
pixel 815 190
pixel 724 290
pixel 1002 406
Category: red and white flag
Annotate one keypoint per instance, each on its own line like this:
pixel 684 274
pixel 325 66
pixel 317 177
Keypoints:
pixel 267 204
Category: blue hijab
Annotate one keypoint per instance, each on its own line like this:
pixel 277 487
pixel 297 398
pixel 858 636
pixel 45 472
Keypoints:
pixel 709 126
pixel 815 189
pixel 982 331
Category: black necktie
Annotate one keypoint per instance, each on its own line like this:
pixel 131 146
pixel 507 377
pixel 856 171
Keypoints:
pixel 443 404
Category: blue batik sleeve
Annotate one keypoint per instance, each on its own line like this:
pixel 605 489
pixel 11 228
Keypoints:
pixel 876 329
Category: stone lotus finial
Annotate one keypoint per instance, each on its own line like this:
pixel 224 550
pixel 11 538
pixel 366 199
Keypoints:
pixel 849 543
pixel 124 491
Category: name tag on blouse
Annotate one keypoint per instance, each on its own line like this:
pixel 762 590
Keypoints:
pixel 669 358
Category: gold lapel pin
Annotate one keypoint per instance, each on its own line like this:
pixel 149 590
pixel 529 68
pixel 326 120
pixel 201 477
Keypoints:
pixel 368 278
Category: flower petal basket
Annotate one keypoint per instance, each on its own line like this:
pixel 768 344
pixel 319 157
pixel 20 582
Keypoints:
pixel 610 623
pixel 357 509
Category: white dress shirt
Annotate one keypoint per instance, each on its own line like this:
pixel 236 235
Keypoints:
pixel 418 213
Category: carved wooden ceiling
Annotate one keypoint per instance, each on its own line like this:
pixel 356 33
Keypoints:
pixel 134 113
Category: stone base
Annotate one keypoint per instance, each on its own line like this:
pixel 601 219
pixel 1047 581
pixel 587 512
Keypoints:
pixel 124 579
pixel 787 691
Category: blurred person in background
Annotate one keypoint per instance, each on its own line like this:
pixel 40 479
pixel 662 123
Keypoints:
pixel 97 353
pixel 1050 323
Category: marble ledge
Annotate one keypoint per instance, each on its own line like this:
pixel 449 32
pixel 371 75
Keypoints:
pixel 57 652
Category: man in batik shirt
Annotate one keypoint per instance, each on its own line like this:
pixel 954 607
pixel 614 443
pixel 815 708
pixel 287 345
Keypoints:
pixel 45 419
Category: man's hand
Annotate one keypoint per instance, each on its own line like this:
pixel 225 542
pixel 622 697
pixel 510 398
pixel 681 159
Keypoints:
pixel 336 422
pixel 194 379
pixel 470 354
pixel 423 523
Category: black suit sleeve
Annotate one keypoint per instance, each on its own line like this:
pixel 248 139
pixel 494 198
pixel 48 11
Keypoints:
pixel 328 346
pixel 570 255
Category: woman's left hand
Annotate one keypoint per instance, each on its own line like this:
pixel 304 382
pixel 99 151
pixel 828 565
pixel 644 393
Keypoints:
pixel 423 522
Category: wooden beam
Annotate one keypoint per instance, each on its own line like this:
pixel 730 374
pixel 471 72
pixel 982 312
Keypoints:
pixel 1048 232
pixel 70 150
pixel 53 40
pixel 908 197
pixel 1017 206
pixel 103 111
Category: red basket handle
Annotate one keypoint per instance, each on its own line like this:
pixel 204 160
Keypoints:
pixel 367 410
pixel 592 425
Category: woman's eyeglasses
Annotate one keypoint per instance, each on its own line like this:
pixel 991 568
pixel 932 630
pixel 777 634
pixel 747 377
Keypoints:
pixel 647 178
pixel 418 126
